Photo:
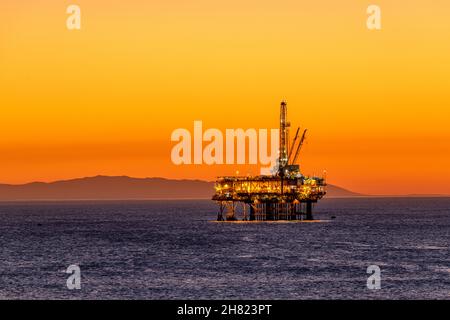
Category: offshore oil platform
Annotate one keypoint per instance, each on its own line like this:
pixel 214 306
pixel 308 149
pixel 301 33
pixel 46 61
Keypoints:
pixel 285 195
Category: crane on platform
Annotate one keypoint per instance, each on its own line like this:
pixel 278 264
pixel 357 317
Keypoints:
pixel 299 147
pixel 293 144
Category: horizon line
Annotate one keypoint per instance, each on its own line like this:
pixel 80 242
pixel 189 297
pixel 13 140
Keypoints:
pixel 201 180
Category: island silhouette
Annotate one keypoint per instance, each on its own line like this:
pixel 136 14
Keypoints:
pixel 122 188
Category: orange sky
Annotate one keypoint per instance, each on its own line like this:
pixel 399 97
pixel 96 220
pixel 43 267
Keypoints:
pixel 105 99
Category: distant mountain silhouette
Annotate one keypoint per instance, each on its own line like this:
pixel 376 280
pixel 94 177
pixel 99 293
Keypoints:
pixel 122 188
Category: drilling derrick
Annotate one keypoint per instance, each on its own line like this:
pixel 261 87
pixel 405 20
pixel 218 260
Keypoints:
pixel 286 195
pixel 283 138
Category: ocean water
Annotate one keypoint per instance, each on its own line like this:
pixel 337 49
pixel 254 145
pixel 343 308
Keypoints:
pixel 173 250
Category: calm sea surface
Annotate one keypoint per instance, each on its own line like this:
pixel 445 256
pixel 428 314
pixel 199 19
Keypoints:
pixel 172 250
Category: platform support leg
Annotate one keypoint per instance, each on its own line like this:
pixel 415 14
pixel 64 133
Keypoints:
pixel 231 211
pixel 252 212
pixel 269 211
pixel 220 214
pixel 309 215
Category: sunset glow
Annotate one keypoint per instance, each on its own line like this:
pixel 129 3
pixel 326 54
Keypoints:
pixel 105 99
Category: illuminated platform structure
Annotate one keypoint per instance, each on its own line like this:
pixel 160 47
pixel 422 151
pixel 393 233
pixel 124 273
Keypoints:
pixel 286 195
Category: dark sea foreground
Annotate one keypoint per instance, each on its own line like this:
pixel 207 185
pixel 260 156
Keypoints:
pixel 172 250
